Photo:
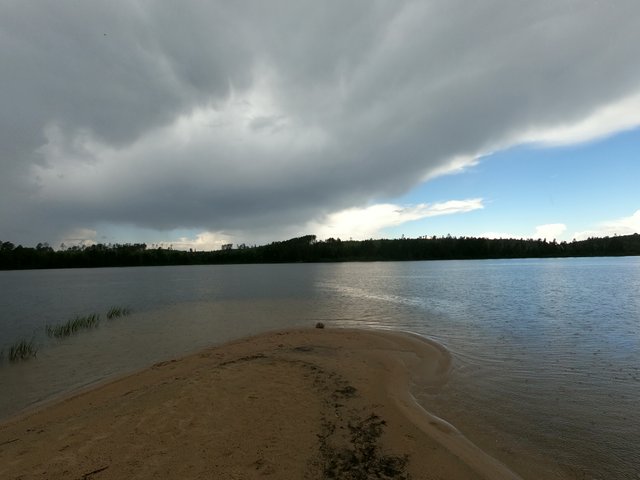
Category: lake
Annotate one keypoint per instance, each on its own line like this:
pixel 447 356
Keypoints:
pixel 546 351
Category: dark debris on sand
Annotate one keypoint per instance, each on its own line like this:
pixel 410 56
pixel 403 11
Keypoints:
pixel 361 458
pixel 350 441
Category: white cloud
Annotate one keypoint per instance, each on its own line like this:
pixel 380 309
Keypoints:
pixel 455 165
pixel 607 120
pixel 204 241
pixel 368 222
pixel 550 231
pixel 620 226
pixel 79 237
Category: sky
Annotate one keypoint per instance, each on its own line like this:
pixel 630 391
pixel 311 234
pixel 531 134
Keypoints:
pixel 195 124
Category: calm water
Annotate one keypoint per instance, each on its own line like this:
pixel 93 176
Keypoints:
pixel 546 352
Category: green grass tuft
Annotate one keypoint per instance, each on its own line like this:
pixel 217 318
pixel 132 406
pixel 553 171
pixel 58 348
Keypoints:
pixel 73 325
pixel 22 350
pixel 115 312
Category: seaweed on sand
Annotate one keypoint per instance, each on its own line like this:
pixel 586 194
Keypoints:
pixel 363 458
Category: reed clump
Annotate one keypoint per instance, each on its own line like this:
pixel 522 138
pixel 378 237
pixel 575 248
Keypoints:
pixel 22 350
pixel 115 312
pixel 73 325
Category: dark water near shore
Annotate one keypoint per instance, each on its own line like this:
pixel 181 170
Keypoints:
pixel 546 352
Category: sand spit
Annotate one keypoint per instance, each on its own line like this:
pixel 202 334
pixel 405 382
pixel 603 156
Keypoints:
pixel 303 404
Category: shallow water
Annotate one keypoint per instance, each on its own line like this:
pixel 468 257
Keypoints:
pixel 546 352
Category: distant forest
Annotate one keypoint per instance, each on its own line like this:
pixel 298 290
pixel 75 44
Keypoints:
pixel 309 249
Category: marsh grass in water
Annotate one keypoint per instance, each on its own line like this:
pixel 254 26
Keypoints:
pixel 115 312
pixel 83 323
pixel 74 325
pixel 21 350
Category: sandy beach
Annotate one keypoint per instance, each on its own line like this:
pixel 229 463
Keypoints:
pixel 304 404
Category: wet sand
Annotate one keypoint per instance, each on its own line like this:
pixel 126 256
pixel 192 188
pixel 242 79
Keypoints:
pixel 306 404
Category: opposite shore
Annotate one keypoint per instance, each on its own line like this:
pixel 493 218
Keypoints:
pixel 308 249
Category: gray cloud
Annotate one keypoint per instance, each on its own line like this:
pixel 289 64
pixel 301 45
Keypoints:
pixel 262 115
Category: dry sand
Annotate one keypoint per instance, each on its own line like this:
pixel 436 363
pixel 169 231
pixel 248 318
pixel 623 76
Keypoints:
pixel 304 404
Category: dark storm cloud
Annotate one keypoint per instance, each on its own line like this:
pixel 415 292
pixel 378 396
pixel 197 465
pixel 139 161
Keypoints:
pixel 261 115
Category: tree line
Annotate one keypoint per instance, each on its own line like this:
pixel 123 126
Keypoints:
pixel 308 249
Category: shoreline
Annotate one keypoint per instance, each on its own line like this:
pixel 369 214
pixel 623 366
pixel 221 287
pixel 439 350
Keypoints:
pixel 309 403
